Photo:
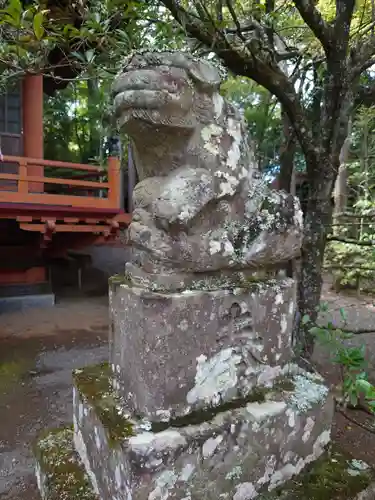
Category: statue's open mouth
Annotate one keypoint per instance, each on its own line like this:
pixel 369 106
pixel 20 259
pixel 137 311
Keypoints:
pixel 142 99
pixel 146 88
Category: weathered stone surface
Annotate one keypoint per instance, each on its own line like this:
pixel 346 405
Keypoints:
pixel 59 471
pixel 175 352
pixel 178 282
pixel 334 476
pixel 201 204
pixel 235 454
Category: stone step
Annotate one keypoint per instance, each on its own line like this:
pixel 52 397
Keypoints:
pixel 257 445
pixel 59 471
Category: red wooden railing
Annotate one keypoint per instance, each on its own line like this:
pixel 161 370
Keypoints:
pixel 26 187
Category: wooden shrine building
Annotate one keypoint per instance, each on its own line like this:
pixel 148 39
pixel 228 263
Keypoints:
pixel 47 207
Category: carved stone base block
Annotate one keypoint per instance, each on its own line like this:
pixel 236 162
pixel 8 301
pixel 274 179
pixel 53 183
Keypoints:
pixel 235 453
pixel 172 353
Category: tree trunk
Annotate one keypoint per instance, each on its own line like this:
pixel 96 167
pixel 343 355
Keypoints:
pixel 287 153
pixel 94 129
pixel 317 221
pixel 340 191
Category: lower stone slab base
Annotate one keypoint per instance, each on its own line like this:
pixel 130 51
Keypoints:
pixel 236 454
pixel 59 471
pixel 334 476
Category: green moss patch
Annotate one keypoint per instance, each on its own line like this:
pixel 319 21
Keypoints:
pixel 65 477
pixel 14 371
pixel 283 383
pixel 119 279
pixel 94 384
pixel 210 283
pixel 258 395
pixel 335 476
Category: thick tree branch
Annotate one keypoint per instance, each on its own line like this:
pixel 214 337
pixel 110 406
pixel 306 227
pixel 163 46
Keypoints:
pixel 363 56
pixel 365 95
pixel 242 59
pixel 351 241
pixel 341 28
pixel 314 20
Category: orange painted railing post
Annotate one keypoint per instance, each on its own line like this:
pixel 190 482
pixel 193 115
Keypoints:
pixel 114 181
pixel 23 184
pixel 33 126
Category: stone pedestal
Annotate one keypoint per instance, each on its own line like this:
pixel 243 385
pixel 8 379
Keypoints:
pixel 200 399
pixel 174 353
pixel 232 453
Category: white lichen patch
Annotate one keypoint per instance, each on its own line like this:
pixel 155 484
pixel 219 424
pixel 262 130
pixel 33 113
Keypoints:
pixel 308 429
pixel 163 415
pixel 234 153
pixel 80 412
pixel 183 325
pixel 186 472
pixel 291 418
pixel 210 135
pixel 80 447
pixel 209 446
pixel 245 491
pixel 218 103
pixel 228 184
pixel 265 411
pixel 147 442
pixel 221 244
pixel 279 299
pixel 215 247
pixel 163 484
pixel 97 438
pixel 269 470
pixel 357 467
pixel 307 392
pixel 118 478
pixel 286 472
pixel 283 323
pixel 214 377
pixel 234 474
pixel 293 469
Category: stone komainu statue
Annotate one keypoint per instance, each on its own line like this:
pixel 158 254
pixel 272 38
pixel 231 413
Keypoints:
pixel 201 204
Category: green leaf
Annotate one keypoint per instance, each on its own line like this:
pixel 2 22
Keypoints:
pixel 353 399
pixel 305 319
pixel 90 55
pixel 323 306
pixel 363 386
pixel 79 56
pixel 343 314
pixel 38 25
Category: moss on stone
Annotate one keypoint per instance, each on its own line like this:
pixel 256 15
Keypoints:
pixel 283 383
pixel 332 477
pixel 14 370
pixel 63 476
pixel 211 283
pixel 119 279
pixel 94 384
pixel 197 417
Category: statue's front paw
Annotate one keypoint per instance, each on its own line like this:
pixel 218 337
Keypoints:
pixel 184 193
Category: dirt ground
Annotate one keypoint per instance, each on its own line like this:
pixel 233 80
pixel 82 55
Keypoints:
pixel 40 348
